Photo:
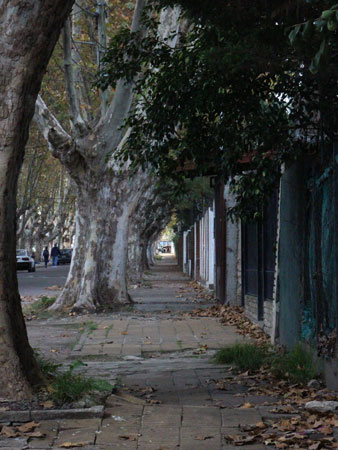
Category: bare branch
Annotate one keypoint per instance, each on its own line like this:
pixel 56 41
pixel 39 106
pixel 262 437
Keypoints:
pixel 110 124
pixel 77 122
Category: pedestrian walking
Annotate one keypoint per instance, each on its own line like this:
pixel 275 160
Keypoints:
pixel 55 254
pixel 45 255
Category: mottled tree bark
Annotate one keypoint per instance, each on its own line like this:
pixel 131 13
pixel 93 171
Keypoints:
pixel 106 197
pixel 28 32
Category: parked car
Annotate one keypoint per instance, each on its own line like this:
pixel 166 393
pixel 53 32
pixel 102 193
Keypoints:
pixel 24 261
pixel 66 256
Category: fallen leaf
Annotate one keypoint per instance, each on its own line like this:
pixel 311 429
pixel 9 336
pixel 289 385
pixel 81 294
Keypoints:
pixel 9 432
pixel 247 405
pixel 124 332
pixel 240 440
pixel 72 444
pixel 48 404
pixel 129 437
pixel 27 427
pixel 203 438
pixel 36 434
pixel 315 446
pixel 326 430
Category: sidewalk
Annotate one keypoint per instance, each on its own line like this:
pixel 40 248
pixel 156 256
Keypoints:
pixel 171 397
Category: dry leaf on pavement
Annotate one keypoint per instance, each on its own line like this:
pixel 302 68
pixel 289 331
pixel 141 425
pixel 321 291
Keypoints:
pixel 247 405
pixel 9 432
pixel 72 444
pixel 129 437
pixel 36 434
pixel 27 427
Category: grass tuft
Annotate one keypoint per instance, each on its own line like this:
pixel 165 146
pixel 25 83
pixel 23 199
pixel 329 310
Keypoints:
pixel 40 307
pixel 298 365
pixel 67 387
pixel 90 326
pixel 243 356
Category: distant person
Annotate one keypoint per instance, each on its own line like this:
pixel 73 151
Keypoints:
pixel 45 255
pixel 55 254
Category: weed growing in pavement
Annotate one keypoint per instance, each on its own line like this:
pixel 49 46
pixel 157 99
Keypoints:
pixel 108 330
pixel 69 387
pixel 90 326
pixel 243 356
pixel 298 365
pixel 179 344
pixel 40 307
pixel 128 308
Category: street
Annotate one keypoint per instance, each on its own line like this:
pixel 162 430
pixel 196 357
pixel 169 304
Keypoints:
pixel 35 283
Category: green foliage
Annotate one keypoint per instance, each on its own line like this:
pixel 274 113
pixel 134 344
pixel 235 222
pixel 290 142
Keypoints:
pixel 299 365
pixel 90 326
pixel 320 35
pixel 234 98
pixel 108 330
pixel 40 307
pixel 69 387
pixel 243 356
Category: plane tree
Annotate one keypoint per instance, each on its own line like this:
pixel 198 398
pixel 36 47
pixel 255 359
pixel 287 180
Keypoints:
pixel 106 196
pixel 28 32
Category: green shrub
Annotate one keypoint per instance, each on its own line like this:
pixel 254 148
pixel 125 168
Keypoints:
pixel 243 356
pixel 298 365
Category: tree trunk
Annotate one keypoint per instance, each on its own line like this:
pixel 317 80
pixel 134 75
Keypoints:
pixel 97 276
pixel 24 53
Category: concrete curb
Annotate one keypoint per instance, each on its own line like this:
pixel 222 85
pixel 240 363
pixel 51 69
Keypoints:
pixel 52 414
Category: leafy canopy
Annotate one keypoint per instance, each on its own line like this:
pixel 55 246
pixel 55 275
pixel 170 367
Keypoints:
pixel 233 97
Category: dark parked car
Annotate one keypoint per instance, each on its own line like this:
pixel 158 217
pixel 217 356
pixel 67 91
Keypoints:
pixel 66 256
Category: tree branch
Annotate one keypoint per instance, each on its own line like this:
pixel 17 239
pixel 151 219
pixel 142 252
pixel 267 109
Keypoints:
pixel 51 129
pixel 110 124
pixel 77 123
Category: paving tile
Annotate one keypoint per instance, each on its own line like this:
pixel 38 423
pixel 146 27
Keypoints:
pixel 76 435
pixel 201 416
pixel 210 436
pixel 13 443
pixel 115 433
pixel 157 446
pixel 79 423
pixel 233 417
